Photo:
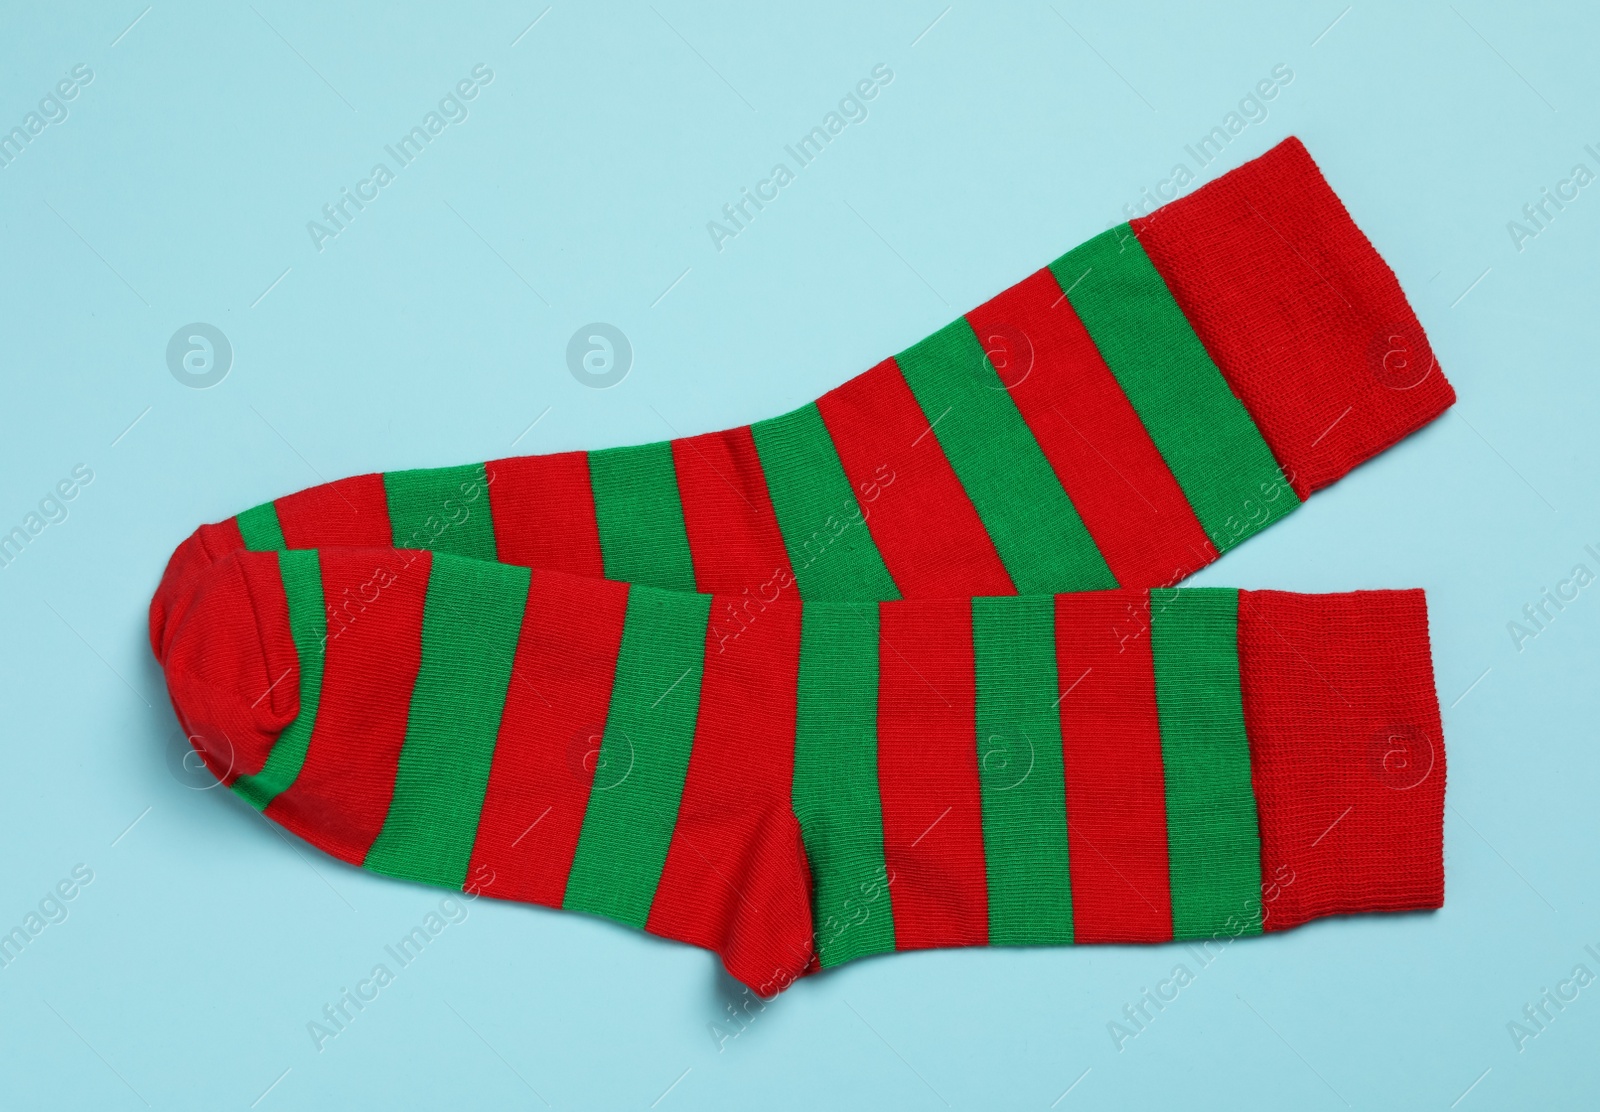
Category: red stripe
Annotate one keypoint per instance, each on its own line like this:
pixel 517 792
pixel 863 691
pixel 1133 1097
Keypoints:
pixel 928 775
pixel 544 513
pixel 932 540
pixel 735 879
pixel 1111 752
pixel 1346 752
pixel 550 732
pixel 340 798
pixel 1090 432
pixel 727 512
pixel 351 513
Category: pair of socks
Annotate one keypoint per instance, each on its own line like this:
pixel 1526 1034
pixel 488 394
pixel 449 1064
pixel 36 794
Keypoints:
pixel 903 668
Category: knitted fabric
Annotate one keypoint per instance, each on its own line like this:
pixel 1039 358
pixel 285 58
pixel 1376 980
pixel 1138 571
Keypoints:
pixel 900 669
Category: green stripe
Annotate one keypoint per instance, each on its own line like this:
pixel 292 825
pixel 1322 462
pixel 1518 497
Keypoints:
pixel 1020 771
pixel 1213 842
pixel 830 548
pixel 644 756
pixel 441 508
pixel 640 514
pixel 1202 430
pixel 1040 537
pixel 308 628
pixel 835 792
pixel 470 624
pixel 260 528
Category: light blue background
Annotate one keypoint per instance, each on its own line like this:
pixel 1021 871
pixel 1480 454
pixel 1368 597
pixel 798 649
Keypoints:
pixel 178 190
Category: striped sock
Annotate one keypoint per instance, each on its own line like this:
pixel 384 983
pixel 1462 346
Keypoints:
pixel 1119 418
pixel 840 779
pixel 891 764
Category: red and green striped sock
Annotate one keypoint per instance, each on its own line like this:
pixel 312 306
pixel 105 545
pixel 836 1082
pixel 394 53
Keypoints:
pixel 842 778
pixel 889 764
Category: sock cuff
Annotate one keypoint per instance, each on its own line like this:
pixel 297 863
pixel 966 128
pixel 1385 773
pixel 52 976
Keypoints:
pixel 1305 320
pixel 1346 752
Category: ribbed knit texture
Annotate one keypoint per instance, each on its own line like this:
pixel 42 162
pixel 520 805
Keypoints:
pixel 821 687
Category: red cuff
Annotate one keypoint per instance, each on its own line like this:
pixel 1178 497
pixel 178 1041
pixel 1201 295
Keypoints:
pixel 1305 320
pixel 1346 752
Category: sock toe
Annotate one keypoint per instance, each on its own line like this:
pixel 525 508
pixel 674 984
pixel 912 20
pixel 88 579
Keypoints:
pixel 185 571
pixel 230 662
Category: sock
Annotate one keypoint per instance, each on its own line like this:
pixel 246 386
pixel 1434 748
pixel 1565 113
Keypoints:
pixel 839 779
pixel 1120 418
pixel 372 663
